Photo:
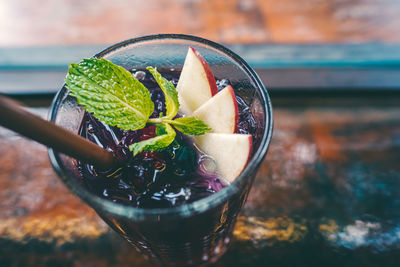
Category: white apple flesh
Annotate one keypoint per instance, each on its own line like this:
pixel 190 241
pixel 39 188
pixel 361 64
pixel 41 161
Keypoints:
pixel 220 112
pixel 231 152
pixel 199 97
pixel 196 83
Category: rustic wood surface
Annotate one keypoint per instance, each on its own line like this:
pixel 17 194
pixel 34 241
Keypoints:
pixel 327 194
pixel 26 22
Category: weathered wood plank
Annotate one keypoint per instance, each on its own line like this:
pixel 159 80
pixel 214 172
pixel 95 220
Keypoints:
pixel 326 194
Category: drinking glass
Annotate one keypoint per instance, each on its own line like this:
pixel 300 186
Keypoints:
pixel 199 232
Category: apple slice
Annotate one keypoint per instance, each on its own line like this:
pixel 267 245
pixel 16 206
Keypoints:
pixel 230 152
pixel 196 83
pixel 220 112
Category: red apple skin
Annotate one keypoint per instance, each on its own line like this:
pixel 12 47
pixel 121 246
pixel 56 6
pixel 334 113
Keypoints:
pixel 210 75
pixel 232 92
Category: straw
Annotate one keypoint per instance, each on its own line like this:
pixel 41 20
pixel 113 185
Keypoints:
pixel 14 117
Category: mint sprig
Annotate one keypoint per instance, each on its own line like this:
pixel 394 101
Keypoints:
pixel 116 97
pixel 170 93
pixel 190 125
pixel 156 143
pixel 111 93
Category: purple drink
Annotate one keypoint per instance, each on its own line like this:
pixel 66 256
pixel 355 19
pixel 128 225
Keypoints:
pixel 159 216
pixel 155 179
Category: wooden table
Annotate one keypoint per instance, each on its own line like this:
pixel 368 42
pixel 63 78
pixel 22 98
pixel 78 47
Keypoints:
pixel 327 194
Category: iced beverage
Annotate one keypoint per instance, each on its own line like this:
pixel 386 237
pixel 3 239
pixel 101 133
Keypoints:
pixel 172 205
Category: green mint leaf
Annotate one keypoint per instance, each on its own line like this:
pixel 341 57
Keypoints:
pixel 110 92
pixel 171 95
pixel 160 129
pixel 190 125
pixel 156 143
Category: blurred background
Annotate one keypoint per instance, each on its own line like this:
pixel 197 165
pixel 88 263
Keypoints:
pixel 328 191
pixel 268 34
pixel 73 22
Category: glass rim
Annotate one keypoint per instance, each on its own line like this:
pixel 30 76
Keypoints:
pixel 184 210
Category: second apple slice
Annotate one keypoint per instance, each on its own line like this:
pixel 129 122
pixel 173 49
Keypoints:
pixel 220 112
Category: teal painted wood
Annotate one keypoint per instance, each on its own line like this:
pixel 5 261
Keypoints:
pixel 370 55
pixel 46 57
pixel 372 66
pixel 258 56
